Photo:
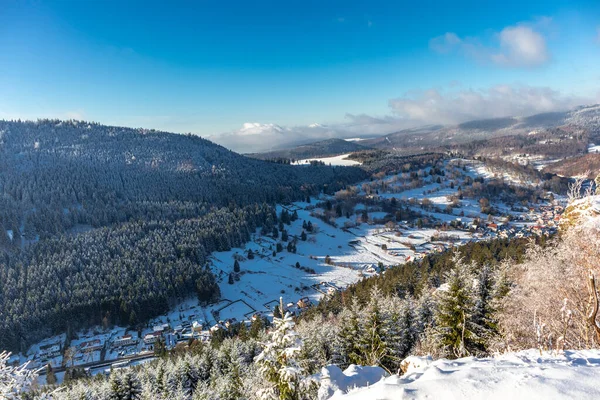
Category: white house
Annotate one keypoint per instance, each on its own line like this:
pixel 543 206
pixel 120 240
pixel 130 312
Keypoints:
pixel 125 340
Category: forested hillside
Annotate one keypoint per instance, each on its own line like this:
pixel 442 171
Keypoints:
pixel 56 174
pixel 103 224
pixel 323 148
pixel 587 164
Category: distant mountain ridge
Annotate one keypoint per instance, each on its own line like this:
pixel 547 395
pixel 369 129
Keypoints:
pixel 586 117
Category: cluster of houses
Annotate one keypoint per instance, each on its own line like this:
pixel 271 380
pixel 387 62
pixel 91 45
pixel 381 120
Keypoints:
pixel 543 221
pixel 49 351
pixel 186 330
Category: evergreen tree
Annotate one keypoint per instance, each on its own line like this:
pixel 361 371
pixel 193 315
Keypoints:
pixel 236 266
pixel 309 226
pixel 394 340
pixel 277 362
pixel 188 376
pixel 455 328
pixel 257 326
pixel 338 210
pixel 425 313
pixel 160 380
pixel 348 348
pixel 400 333
pixel 371 342
pixel 484 312
pixel 125 386
pixel 50 376
pixel 160 349
pixel 232 387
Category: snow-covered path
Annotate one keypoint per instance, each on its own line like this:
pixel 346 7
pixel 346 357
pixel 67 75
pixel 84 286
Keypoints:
pixel 522 375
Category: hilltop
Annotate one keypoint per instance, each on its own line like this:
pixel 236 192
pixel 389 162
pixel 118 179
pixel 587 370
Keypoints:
pixel 586 118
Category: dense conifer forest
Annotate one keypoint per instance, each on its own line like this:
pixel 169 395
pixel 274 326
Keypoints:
pixel 107 225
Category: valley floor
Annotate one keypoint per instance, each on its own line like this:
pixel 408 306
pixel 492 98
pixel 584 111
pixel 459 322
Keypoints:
pixel 333 256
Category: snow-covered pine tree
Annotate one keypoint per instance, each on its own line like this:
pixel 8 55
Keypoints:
pixel 407 328
pixel 348 350
pixel 205 363
pixel 371 340
pixel 484 311
pixel 188 376
pixel 392 337
pixel 278 364
pixel 502 281
pixel 14 380
pixel 425 312
pixel 204 392
pixel 159 385
pixel 149 392
pixel 319 338
pixel 455 329
pixel 125 386
pixel 230 386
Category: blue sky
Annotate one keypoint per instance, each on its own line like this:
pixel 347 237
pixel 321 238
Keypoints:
pixel 356 67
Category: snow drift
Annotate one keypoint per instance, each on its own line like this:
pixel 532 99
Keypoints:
pixel 522 375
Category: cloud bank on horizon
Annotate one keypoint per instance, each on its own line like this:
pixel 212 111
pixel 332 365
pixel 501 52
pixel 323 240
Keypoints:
pixel 520 46
pixel 414 109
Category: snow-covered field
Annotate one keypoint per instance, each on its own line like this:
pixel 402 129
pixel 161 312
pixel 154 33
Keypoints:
pixel 337 160
pixel 488 173
pixel 356 248
pixel 356 139
pixel 592 148
pixel 523 375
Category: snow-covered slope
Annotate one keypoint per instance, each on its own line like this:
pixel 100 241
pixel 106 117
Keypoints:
pixel 583 213
pixel 342 160
pixel 522 375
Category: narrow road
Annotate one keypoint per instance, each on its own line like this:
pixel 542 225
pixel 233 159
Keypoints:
pixel 105 363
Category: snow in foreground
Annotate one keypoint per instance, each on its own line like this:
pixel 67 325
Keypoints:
pixel 522 375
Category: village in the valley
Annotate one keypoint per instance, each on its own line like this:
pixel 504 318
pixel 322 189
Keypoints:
pixel 320 246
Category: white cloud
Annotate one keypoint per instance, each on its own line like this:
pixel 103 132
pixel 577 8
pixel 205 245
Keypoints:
pixel 445 43
pixel 255 137
pixel 439 107
pixel 520 45
pixel 414 109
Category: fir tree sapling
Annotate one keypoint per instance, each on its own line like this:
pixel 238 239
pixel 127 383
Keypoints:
pixel 278 362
